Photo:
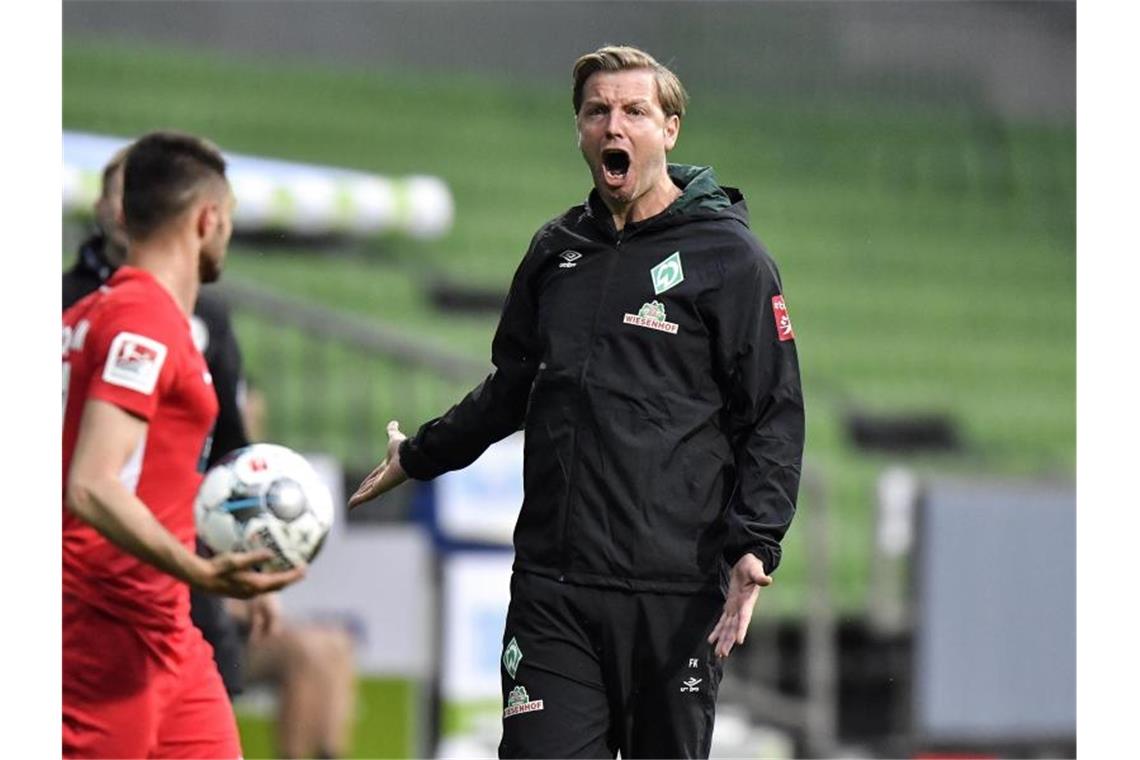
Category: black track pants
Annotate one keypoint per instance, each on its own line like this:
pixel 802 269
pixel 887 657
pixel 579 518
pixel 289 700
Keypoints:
pixel 597 671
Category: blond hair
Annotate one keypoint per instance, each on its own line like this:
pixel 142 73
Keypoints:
pixel 670 93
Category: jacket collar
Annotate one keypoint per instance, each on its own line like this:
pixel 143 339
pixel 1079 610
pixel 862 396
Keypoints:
pixel 701 196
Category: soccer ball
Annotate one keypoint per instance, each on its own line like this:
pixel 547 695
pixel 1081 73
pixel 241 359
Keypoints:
pixel 264 496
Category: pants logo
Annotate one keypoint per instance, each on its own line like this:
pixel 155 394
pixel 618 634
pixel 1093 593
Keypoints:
pixel 690 685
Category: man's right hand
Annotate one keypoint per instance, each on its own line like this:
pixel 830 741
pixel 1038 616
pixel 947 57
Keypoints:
pixel 387 475
pixel 232 574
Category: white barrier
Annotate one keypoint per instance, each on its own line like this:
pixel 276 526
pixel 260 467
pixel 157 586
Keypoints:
pixel 377 581
pixel 274 195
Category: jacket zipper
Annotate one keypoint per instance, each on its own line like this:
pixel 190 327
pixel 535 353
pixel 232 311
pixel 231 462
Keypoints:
pixel 611 265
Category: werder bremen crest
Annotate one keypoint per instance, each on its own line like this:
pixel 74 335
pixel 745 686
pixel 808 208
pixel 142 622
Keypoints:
pixel 667 274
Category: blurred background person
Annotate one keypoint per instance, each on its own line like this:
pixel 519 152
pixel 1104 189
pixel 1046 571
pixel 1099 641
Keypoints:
pixel 310 665
pixel 312 668
pixel 138 677
pixel 99 256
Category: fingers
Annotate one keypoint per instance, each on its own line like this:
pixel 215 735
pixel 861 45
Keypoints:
pixel 262 583
pixel 742 623
pixel 376 483
pixel 237 561
pixel 714 637
pixel 721 638
pixel 367 490
pixel 732 627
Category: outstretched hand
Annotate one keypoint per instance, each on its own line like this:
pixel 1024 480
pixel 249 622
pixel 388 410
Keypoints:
pixel 387 475
pixel 743 587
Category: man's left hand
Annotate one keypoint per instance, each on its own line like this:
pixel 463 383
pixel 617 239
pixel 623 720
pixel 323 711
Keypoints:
pixel 743 587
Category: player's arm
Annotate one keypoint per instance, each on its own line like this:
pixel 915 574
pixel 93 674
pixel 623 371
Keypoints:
pixel 489 413
pixel 108 437
pixel 759 371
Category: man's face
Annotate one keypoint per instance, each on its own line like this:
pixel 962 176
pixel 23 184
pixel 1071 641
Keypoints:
pixel 624 134
pixel 213 256
pixel 109 216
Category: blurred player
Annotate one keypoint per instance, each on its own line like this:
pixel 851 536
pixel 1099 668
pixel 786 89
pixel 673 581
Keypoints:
pixel 138 678
pixel 311 665
pixel 646 346
pixel 100 255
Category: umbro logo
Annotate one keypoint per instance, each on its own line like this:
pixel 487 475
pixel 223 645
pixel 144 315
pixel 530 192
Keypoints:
pixel 569 259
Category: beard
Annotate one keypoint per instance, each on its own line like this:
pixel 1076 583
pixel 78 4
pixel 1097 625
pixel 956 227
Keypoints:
pixel 209 268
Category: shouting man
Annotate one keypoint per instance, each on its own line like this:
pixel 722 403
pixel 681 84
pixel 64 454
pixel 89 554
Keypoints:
pixel 646 345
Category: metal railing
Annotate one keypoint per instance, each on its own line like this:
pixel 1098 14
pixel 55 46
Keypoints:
pixel 331 381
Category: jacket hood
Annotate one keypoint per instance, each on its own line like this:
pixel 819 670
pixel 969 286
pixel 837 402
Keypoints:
pixel 701 197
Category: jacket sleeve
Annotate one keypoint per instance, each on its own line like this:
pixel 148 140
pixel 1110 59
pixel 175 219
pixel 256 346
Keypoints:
pixel 760 380
pixel 497 406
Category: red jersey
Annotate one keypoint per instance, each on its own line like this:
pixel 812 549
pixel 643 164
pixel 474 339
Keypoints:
pixel 130 344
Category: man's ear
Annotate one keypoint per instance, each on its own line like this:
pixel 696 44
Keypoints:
pixel 206 220
pixel 672 129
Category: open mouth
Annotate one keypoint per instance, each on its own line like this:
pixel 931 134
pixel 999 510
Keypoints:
pixel 615 164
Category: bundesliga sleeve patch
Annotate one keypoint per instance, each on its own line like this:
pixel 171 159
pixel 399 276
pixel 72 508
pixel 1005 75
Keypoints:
pixel 783 321
pixel 134 362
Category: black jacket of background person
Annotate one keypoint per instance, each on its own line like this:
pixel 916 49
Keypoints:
pixel 223 358
pixel 653 460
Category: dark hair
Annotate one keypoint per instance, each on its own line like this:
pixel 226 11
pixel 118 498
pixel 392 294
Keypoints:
pixel 163 174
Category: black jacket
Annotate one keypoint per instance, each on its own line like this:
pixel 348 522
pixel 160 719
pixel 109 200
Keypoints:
pixel 664 427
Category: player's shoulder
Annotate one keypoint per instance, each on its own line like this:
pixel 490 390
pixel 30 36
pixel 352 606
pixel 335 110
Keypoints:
pixel 563 230
pixel 741 253
pixel 76 305
pixel 139 301
pixel 554 227
pixel 138 307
